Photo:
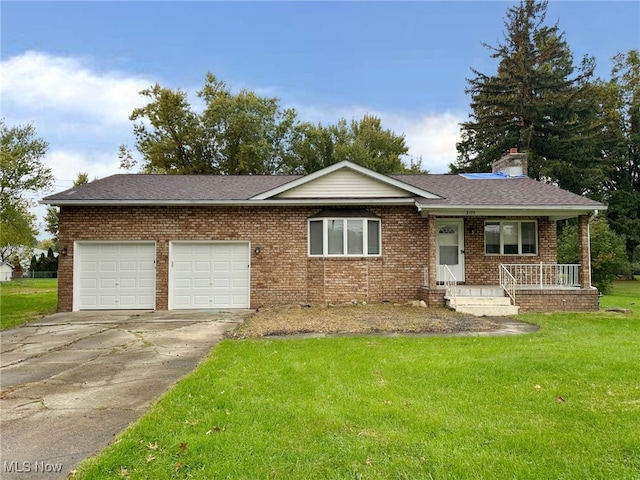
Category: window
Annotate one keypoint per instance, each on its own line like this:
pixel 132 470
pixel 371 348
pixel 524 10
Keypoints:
pixel 511 238
pixel 357 237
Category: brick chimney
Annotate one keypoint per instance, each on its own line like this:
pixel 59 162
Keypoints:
pixel 512 164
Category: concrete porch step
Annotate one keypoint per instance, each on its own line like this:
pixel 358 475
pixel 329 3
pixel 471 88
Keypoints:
pixel 488 310
pixel 482 300
pixel 462 300
pixel 479 291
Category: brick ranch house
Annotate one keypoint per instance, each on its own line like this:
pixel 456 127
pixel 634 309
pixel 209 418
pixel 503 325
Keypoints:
pixel 165 242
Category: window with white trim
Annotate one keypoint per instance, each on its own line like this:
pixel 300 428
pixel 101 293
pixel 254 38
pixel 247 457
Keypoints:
pixel 511 237
pixel 344 237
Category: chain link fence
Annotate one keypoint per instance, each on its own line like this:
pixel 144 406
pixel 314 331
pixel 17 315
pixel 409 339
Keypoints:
pixel 34 274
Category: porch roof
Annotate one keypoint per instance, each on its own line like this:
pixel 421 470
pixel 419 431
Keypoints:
pixel 500 196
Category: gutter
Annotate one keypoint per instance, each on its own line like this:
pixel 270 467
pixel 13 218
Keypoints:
pixel 230 203
pixel 495 210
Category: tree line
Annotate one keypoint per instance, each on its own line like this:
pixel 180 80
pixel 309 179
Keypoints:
pixel 243 133
pixel 42 263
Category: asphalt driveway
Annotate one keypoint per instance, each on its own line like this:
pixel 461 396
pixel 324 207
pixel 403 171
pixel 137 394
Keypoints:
pixel 72 381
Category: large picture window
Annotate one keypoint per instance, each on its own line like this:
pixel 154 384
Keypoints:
pixel 511 238
pixel 335 237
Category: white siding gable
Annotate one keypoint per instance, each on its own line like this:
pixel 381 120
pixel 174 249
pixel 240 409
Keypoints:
pixel 345 183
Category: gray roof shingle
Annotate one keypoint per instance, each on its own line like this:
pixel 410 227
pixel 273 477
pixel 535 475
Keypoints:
pixel 165 188
pixel 510 191
pixel 455 190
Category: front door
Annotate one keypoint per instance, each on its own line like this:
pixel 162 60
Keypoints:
pixel 450 248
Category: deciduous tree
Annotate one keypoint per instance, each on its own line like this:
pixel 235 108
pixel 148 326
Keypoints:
pixel 245 133
pixel 22 173
pixel 608 257
pixel 237 133
pixel 17 232
pixel 363 141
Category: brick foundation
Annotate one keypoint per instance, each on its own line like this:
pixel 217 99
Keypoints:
pixel 432 297
pixel 582 300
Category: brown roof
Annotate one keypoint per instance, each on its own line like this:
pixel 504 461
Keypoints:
pixel 509 191
pixel 455 190
pixel 165 188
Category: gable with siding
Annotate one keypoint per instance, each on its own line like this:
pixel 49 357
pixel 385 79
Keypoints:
pixel 345 183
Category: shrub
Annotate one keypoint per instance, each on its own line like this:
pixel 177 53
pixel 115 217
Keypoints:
pixel 608 254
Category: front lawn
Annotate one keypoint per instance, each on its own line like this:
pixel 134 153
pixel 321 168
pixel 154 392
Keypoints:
pixel 27 299
pixel 560 403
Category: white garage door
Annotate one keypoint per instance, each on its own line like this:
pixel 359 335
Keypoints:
pixel 209 275
pixel 115 276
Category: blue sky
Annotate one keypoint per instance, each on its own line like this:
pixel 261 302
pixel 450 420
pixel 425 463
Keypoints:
pixel 74 69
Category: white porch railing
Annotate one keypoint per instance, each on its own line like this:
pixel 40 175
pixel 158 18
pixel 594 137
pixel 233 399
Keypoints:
pixel 543 275
pixel 450 284
pixel 508 283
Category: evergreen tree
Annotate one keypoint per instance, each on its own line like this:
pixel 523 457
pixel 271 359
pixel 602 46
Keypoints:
pixel 622 148
pixel 536 102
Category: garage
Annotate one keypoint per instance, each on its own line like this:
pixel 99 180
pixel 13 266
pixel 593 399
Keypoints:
pixel 209 275
pixel 115 275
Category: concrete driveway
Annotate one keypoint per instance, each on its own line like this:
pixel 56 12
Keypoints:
pixel 72 381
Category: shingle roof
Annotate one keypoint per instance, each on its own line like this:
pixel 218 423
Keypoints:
pixel 164 188
pixel 455 190
pixel 511 191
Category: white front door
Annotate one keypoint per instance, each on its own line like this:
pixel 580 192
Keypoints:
pixel 209 275
pixel 450 248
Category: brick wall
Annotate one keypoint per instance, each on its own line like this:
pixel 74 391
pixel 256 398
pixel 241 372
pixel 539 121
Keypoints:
pixel 282 272
pixel 481 269
pixel 583 300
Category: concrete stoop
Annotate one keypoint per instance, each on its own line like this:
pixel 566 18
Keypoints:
pixel 482 301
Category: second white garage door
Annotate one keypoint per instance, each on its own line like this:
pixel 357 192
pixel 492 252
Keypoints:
pixel 209 275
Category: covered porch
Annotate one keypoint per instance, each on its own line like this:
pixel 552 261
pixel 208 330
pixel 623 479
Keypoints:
pixel 464 271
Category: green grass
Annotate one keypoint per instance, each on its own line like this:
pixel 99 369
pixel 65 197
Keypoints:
pixel 25 300
pixel 560 403
pixel 626 294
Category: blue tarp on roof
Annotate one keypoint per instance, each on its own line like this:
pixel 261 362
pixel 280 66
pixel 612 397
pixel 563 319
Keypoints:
pixel 489 176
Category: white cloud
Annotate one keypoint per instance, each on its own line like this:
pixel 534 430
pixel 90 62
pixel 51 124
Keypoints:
pixel 432 137
pixel 44 84
pixel 66 164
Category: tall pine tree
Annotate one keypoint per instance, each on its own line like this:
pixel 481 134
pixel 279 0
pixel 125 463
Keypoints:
pixel 537 101
pixel 622 149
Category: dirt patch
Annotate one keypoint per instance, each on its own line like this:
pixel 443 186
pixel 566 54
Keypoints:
pixel 358 319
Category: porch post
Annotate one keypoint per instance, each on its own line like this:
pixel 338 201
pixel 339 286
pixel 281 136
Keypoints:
pixel 433 268
pixel 584 251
